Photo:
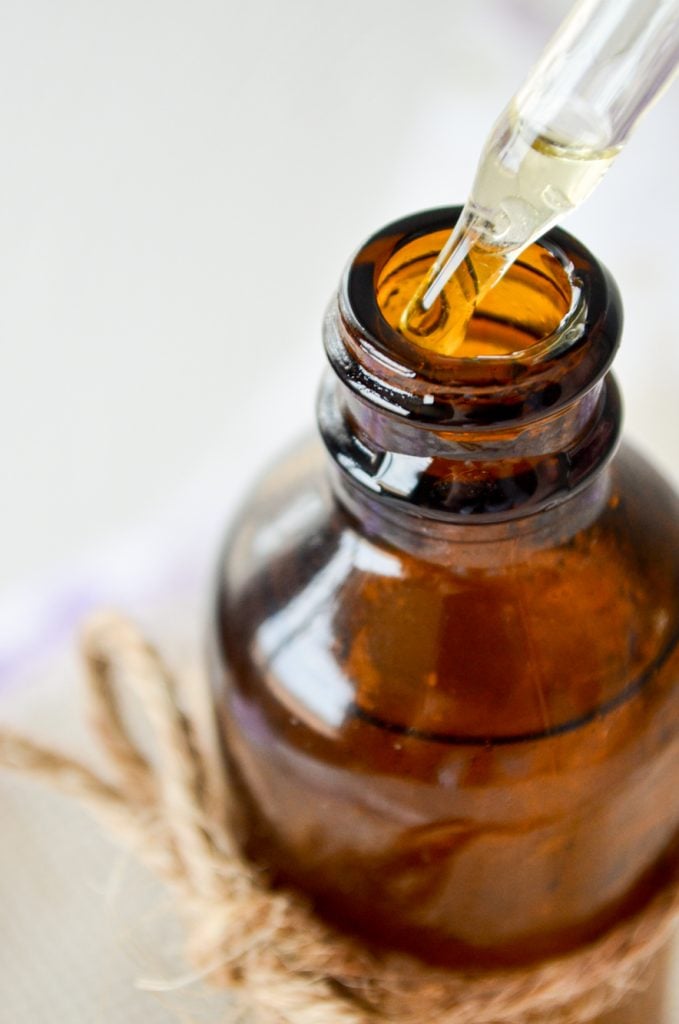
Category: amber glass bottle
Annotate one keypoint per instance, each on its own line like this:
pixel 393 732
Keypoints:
pixel 446 647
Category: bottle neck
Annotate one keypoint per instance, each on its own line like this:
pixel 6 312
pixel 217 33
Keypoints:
pixel 452 498
pixel 432 450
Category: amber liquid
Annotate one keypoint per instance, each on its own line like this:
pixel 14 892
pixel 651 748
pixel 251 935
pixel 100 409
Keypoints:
pixel 535 297
pixel 443 326
pixel 467 752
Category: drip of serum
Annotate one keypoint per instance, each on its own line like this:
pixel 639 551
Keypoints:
pixel 524 184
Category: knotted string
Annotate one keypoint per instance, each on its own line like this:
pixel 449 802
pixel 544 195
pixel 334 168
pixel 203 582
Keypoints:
pixel 283 963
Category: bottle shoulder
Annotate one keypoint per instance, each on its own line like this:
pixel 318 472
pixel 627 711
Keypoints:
pixel 337 619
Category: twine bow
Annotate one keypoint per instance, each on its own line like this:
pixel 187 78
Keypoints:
pixel 283 962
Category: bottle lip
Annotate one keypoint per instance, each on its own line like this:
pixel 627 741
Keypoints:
pixel 384 369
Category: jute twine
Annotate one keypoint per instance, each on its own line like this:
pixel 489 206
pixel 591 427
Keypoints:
pixel 284 963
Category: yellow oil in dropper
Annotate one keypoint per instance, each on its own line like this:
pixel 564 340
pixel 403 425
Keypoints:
pixel 522 186
pixel 606 65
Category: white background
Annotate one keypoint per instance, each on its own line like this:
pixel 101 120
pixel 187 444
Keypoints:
pixel 180 186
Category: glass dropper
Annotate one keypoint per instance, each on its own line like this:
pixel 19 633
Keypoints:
pixel 608 62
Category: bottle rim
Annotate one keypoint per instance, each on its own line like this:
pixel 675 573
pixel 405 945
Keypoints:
pixel 386 369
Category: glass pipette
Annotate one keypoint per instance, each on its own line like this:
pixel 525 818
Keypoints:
pixel 605 66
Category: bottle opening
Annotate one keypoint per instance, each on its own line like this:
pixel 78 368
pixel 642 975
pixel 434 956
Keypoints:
pixel 521 316
pixel 546 333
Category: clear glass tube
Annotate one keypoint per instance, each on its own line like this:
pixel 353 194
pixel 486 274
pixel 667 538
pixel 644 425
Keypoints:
pixel 606 64
pixel 549 149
